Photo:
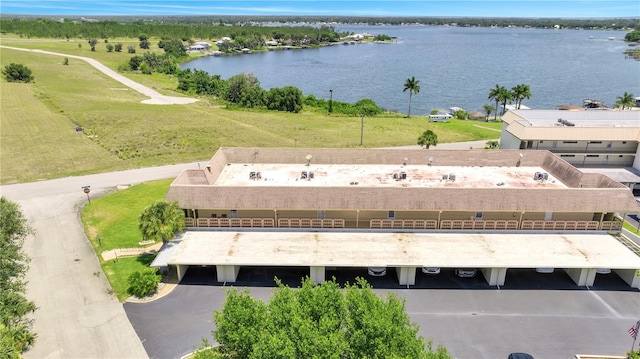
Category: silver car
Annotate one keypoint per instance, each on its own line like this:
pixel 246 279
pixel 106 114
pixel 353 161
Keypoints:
pixel 377 271
pixel 466 272
pixel 431 270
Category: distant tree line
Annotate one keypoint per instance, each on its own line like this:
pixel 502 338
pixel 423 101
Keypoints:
pixel 243 90
pixel 46 28
pixel 196 22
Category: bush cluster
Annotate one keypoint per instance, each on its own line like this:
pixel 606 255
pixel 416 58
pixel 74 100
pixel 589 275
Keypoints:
pixel 144 282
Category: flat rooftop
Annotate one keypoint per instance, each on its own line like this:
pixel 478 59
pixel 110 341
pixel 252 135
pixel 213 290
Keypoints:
pixel 357 249
pixel 416 176
pixel 586 118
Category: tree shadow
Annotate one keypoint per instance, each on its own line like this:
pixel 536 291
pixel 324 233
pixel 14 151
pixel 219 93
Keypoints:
pixel 146 258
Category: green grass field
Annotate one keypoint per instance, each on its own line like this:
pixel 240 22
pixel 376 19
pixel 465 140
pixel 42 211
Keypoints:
pixel 114 218
pixel 39 142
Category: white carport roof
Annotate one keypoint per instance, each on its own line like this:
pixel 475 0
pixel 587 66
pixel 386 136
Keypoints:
pixel 363 249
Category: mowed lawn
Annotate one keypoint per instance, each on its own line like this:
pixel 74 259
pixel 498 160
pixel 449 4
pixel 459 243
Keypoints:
pixel 119 132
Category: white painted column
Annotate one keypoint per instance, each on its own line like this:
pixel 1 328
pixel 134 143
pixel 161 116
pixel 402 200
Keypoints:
pixel 181 270
pixel 317 274
pixel 227 273
pixel 406 275
pixel 582 276
pixel 494 276
pixel 631 276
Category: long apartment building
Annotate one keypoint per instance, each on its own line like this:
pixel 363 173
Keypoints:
pixel 404 208
pixel 598 138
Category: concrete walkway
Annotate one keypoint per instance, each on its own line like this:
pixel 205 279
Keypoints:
pixel 77 315
pixel 156 98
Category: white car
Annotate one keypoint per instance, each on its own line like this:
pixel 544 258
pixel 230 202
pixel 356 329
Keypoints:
pixel 431 270
pixel 377 271
pixel 465 272
pixel 545 270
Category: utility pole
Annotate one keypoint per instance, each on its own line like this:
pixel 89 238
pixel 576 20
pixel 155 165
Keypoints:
pixel 361 123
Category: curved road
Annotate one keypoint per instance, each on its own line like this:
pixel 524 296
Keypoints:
pixel 156 98
pixel 77 315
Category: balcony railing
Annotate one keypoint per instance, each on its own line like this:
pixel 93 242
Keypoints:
pixel 407 224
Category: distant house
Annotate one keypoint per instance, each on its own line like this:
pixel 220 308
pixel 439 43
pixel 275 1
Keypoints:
pixel 222 39
pixel 204 44
pixel 272 43
pixel 196 48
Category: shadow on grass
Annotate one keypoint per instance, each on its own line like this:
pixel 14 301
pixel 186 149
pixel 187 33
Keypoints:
pixel 147 258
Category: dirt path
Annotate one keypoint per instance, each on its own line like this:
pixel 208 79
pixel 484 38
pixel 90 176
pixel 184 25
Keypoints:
pixel 155 98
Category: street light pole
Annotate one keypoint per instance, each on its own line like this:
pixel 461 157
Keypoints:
pixel 361 124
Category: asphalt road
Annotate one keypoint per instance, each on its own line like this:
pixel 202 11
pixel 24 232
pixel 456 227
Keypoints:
pixel 546 315
pixel 77 315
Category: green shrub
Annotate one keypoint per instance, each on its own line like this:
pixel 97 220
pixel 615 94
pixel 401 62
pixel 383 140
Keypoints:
pixel 144 282
pixel 17 73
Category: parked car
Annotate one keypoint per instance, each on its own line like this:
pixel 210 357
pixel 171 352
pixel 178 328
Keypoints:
pixel 603 270
pixel 545 270
pixel 431 270
pixel 465 272
pixel 377 271
pixel 520 356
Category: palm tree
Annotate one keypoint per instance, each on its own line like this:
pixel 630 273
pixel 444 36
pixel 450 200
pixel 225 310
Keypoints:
pixel 488 108
pixel 520 92
pixel 413 86
pixel 494 95
pixel 625 101
pixel 428 138
pixel 161 220
pixel 504 96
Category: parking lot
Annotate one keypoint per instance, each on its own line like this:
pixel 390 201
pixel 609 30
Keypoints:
pixel 546 315
pixel 524 279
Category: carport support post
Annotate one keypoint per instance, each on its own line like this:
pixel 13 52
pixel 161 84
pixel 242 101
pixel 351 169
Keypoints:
pixel 317 274
pixel 227 273
pixel 406 275
pixel 494 276
pixel 582 276
pixel 181 270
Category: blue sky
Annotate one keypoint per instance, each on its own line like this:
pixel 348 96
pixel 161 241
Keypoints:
pixel 475 8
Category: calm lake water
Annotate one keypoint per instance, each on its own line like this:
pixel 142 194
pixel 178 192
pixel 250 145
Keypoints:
pixel 455 66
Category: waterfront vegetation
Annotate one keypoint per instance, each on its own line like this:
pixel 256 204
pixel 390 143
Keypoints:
pixel 45 113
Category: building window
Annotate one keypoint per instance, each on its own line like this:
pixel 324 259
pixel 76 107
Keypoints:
pixel 321 215
pixel 569 141
pixel 213 215
pixel 233 213
pixel 478 216
pixel 567 155
pixel 391 214
pixel 609 144
pixel 595 141
pixel 593 155
pixel 624 142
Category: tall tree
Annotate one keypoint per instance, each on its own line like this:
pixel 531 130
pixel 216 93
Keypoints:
pixel 161 221
pixel 494 95
pixel 428 138
pixel 319 321
pixel 413 86
pixel 519 93
pixel 488 108
pixel 15 329
pixel 625 101
pixel 501 95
